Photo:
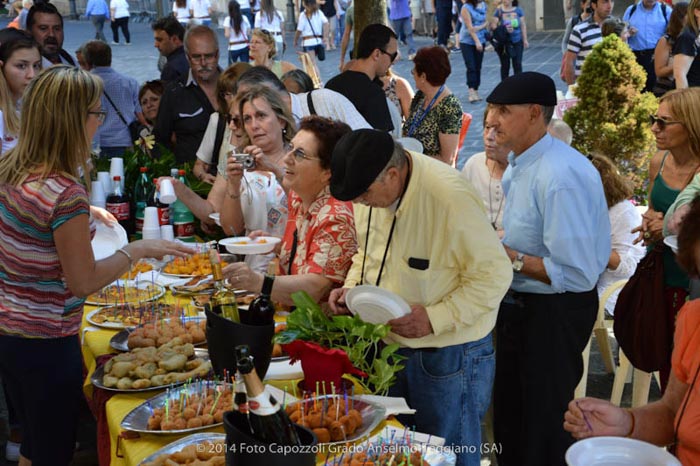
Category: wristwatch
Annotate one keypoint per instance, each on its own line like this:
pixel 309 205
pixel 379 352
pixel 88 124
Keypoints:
pixel 518 262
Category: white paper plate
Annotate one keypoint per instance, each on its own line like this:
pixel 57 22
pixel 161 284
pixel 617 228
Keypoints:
pixel 245 245
pixel 107 240
pixel 672 242
pixel 617 451
pixel 216 216
pixel 376 305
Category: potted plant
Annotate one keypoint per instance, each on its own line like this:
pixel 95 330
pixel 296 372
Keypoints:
pixel 330 344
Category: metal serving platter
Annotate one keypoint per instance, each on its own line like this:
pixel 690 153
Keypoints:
pixel 176 446
pixel 372 415
pixel 120 341
pixel 96 378
pixel 137 419
pixel 128 315
pixel 98 299
pixel 434 456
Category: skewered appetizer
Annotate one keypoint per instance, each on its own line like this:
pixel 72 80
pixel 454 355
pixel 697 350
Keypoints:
pixel 192 409
pixel 204 454
pixel 329 418
pixel 131 315
pixel 127 293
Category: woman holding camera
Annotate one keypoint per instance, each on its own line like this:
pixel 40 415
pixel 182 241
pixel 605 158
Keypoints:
pixel 319 239
pixel 254 197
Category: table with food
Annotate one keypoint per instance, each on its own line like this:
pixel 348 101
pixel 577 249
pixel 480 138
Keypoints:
pixel 164 392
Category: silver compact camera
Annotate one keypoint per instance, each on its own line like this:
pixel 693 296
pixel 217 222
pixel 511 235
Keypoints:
pixel 247 160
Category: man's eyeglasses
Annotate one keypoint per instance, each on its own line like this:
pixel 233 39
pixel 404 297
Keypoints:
pixel 233 118
pixel 299 155
pixel 203 57
pixel 392 56
pixel 661 123
pixel 101 115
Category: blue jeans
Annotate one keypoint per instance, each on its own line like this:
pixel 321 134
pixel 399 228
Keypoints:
pixel 402 27
pixel 249 14
pixel 443 15
pixel 472 60
pixel 99 22
pixel 340 30
pixel 450 389
pixel 238 55
pixel 511 52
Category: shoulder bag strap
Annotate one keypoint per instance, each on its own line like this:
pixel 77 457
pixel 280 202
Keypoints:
pixel 218 141
pixel 310 102
pixel 121 117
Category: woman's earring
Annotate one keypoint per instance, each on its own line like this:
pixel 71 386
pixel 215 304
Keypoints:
pixel 284 130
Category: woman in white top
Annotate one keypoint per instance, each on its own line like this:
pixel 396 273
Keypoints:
pixel 271 20
pixel 624 217
pixel 119 15
pixel 237 31
pixel 182 10
pixel 201 12
pixel 313 30
pixel 484 171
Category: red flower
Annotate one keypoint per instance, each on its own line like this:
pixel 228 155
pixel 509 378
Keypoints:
pixel 320 365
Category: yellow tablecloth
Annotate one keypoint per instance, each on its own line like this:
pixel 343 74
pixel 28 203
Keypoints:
pixel 129 452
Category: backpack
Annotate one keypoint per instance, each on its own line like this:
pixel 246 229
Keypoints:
pixel 664 11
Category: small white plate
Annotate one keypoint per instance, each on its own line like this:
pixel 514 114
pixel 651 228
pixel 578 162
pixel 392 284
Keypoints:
pixel 246 245
pixel 617 451
pixel 376 305
pixel 672 242
pixel 108 239
pixel 216 216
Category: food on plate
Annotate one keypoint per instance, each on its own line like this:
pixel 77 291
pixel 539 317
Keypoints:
pixel 203 454
pixel 131 315
pixel 141 368
pixel 252 241
pixel 384 455
pixel 203 300
pixel 127 292
pixel 138 268
pixel 329 418
pixel 191 408
pixel 159 333
pixel 197 264
pixel 198 284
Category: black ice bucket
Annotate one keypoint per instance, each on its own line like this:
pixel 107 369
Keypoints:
pixel 224 335
pixel 244 450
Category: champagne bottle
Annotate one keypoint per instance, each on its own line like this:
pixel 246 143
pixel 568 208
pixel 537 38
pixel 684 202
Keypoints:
pixel 223 301
pixel 240 400
pixel 268 420
pixel 261 310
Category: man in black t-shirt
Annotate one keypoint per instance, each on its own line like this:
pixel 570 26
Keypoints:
pixel 376 51
pixel 168 36
pixel 686 58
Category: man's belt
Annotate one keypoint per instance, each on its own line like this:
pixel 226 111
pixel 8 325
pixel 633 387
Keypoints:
pixel 311 37
pixel 644 52
pixel 238 42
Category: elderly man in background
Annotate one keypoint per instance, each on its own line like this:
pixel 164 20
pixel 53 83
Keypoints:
pixel 557 235
pixel 423 235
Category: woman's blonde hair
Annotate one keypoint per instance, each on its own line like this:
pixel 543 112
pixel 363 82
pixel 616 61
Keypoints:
pixel 278 106
pixel 690 18
pixel 269 40
pixel 53 135
pixel 684 105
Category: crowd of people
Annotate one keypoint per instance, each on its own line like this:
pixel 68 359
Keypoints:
pixel 502 264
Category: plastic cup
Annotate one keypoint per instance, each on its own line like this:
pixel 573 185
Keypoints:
pixel 150 219
pixel 151 233
pixel 97 194
pixel 116 168
pixel 106 181
pixel 167 191
pixel 167 232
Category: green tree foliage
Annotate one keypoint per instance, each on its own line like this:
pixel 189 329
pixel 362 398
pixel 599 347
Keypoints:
pixel 612 115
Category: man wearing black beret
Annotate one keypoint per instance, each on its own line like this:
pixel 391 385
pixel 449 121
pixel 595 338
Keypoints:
pixel 557 235
pixel 423 234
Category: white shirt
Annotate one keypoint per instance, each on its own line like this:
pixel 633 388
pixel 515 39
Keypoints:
pixel 121 8
pixel 312 27
pixel 182 13
pixel 329 104
pixel 200 9
pixel 489 189
pixel 624 216
pixel 205 153
pixel 274 26
pixel 233 37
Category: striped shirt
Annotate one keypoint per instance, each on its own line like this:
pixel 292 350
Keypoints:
pixel 36 302
pixel 582 39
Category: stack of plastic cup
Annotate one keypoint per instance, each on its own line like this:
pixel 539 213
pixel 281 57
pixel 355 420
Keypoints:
pixel 167 232
pixel 98 197
pixel 116 168
pixel 151 225
pixel 167 191
pixel 106 181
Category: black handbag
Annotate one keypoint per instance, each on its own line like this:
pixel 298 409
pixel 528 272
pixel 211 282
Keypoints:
pixel 320 49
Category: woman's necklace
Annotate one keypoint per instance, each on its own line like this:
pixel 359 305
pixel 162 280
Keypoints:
pixel 494 218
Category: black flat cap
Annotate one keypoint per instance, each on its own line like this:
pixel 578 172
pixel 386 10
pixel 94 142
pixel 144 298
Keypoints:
pixel 525 88
pixel 358 157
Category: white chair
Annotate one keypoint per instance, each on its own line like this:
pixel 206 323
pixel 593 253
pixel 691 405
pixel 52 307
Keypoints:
pixel 641 381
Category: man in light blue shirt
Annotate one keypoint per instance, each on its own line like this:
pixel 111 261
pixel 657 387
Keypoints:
pixel 557 235
pixel 98 12
pixel 647 21
pixel 400 16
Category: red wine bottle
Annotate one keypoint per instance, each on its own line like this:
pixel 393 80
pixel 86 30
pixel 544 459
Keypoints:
pixel 261 310
pixel 269 422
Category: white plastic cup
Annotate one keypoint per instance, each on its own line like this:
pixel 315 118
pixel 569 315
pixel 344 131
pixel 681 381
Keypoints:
pixel 167 191
pixel 97 194
pixel 106 181
pixel 167 232
pixel 150 219
pixel 116 168
pixel 151 233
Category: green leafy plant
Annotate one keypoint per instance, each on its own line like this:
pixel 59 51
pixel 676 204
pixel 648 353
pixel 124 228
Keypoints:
pixel 612 114
pixel 359 339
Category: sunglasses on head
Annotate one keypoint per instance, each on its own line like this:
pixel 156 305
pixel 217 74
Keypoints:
pixel 661 123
